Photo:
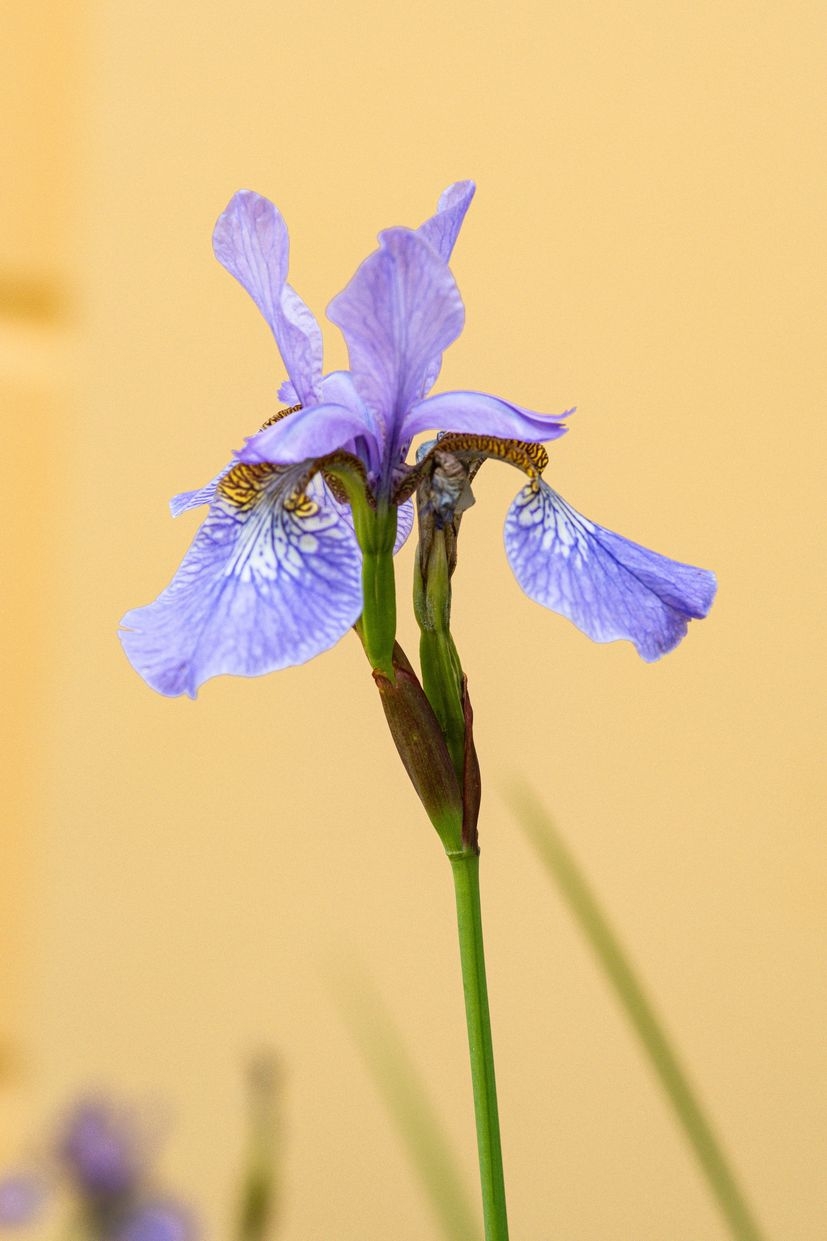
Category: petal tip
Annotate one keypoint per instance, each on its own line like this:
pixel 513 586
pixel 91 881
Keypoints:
pixel 710 594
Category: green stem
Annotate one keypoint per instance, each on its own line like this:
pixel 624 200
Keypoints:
pixel 376 532
pixel 465 868
pixel 629 990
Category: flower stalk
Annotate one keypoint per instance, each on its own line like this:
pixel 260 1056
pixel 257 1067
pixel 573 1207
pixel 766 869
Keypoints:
pixel 376 533
pixel 466 871
pixel 442 496
pixel 452 804
pixel 374 523
pixel 465 865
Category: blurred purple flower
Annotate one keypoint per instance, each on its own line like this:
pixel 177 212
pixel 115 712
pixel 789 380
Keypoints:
pixel 22 1194
pixel 158 1221
pixel 101 1149
pixel 104 1154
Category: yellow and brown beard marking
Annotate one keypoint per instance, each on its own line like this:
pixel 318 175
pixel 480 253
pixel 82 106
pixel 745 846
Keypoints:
pixel 300 505
pixel 245 483
pixel 338 489
pixel 532 459
pixel 330 466
pixel 294 409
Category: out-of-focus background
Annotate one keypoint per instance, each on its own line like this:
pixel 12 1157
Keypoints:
pixel 180 880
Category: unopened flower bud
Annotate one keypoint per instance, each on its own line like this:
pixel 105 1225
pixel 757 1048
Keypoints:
pixel 443 495
pixel 421 746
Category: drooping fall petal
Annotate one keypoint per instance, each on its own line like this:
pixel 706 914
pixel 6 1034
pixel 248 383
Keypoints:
pixel 271 580
pixel 608 586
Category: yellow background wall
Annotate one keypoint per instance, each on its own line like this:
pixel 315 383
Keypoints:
pixel 179 879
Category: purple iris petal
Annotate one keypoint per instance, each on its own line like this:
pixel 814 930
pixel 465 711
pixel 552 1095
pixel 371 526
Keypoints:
pixel 159 1221
pixel 609 587
pixel 202 495
pixel 338 388
pixel 250 240
pixel 22 1194
pixel 266 584
pixel 300 343
pixel 308 433
pixel 441 230
pixel 287 394
pixel 399 312
pixel 479 414
pixel 342 420
pixel 404 524
pixel 100 1149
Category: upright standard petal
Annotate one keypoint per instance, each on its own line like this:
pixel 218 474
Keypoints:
pixel 250 240
pixel 272 579
pixel 609 587
pixel 441 230
pixel 399 312
pixel 479 414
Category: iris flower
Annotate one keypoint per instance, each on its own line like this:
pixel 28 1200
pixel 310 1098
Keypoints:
pixel 103 1155
pixel 276 572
